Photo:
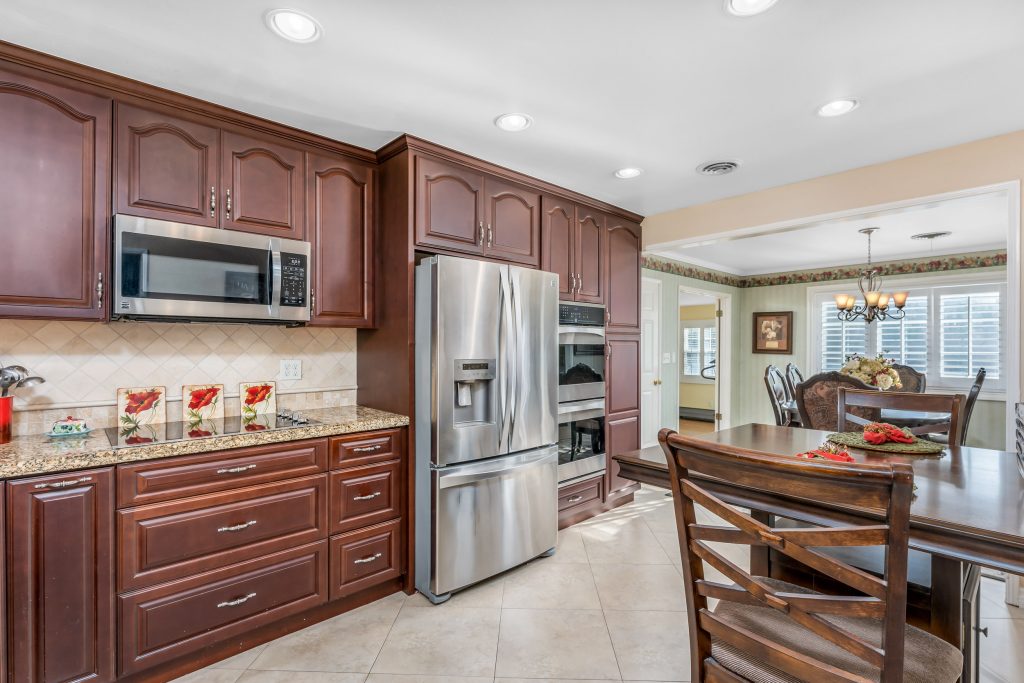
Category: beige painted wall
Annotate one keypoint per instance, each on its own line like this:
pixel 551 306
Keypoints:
pixel 692 394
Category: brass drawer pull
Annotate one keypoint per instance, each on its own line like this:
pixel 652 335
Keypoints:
pixel 237 527
pixel 369 497
pixel 237 601
pixel 574 499
pixel 366 560
pixel 236 470
pixel 367 449
pixel 64 484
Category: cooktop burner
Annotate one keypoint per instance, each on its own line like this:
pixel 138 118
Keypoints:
pixel 125 437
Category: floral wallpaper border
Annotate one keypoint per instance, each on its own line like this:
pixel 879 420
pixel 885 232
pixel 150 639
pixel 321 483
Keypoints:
pixel 981 259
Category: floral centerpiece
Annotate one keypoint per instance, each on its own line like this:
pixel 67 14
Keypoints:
pixel 877 371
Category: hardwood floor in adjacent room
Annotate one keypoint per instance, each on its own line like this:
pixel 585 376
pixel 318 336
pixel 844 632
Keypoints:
pixel 695 427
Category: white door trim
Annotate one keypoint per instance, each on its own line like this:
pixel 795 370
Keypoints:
pixel 723 368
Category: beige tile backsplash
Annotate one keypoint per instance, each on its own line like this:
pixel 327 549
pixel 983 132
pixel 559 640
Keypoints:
pixel 84 364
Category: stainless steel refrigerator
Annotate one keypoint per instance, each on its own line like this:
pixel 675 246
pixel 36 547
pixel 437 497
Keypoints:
pixel 486 420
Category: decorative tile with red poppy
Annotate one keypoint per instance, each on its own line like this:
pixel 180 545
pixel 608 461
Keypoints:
pixel 257 398
pixel 140 406
pixel 202 402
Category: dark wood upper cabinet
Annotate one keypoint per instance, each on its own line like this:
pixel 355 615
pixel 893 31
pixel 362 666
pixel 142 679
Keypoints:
pixel 589 255
pixel 54 199
pixel 263 186
pixel 513 222
pixel 166 167
pixel 558 225
pixel 60 578
pixel 622 374
pixel 340 210
pixel 622 298
pixel 623 435
pixel 449 206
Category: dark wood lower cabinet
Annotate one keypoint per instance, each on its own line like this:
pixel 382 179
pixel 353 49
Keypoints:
pixel 360 559
pixel 60 580
pixel 623 435
pixel 161 623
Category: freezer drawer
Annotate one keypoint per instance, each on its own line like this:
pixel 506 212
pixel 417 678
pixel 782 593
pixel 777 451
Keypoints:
pixel 492 516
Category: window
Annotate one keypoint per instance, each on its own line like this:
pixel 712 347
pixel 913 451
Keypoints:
pixel 699 340
pixel 949 332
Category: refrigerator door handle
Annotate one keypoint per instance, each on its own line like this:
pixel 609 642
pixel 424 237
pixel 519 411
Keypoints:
pixel 474 473
pixel 517 318
pixel 505 351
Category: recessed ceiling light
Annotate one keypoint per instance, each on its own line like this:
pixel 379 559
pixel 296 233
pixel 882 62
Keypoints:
pixel 718 167
pixel 628 172
pixel 931 235
pixel 838 107
pixel 748 8
pixel 514 122
pixel 294 25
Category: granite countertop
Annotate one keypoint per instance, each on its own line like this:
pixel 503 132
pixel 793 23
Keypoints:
pixel 39 454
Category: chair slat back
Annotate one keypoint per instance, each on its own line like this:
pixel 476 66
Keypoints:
pixel 951 404
pixel 972 398
pixel 778 394
pixel 694 464
pixel 793 377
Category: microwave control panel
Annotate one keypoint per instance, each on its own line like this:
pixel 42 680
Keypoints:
pixel 293 279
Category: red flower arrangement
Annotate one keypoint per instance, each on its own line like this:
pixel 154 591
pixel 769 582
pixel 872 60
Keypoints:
pixel 827 451
pixel 882 432
pixel 141 401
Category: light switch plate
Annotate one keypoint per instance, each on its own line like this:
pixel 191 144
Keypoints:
pixel 291 369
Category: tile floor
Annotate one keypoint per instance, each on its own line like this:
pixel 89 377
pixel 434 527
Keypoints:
pixel 607 606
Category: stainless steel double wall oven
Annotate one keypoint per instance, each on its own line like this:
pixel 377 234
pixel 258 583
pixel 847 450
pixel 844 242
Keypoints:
pixel 581 390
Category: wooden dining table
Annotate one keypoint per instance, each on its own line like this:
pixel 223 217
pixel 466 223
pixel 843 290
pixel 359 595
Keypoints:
pixel 968 509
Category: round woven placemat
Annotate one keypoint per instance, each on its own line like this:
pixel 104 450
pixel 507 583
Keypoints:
pixel 856 440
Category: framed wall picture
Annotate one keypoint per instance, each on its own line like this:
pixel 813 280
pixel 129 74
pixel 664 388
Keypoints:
pixel 773 332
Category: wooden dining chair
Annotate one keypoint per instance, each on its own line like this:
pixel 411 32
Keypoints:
pixel 778 395
pixel 951 404
pixel 912 380
pixel 972 398
pixel 793 377
pixel 764 629
pixel 817 400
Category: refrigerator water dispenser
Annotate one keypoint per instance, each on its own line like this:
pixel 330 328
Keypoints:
pixel 473 380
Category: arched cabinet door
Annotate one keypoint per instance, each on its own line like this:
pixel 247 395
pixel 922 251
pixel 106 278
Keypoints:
pixel 449 206
pixel 590 248
pixel 166 167
pixel 513 223
pixel 558 225
pixel 339 199
pixel 622 298
pixel 263 187
pixel 54 200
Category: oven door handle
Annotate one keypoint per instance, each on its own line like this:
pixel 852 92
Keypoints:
pixel 274 283
pixel 586 336
pixel 581 329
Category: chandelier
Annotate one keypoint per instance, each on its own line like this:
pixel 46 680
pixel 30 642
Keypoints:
pixel 878 305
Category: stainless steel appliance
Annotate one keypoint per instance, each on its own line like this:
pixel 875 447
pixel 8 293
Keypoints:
pixel 581 359
pixel 581 451
pixel 486 420
pixel 175 271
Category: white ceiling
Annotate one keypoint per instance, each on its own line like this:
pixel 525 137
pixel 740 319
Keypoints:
pixel 661 84
pixel 978 223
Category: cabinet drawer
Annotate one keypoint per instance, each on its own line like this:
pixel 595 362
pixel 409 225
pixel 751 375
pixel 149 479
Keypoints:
pixel 165 541
pixel 583 493
pixel 364 558
pixel 173 619
pixel 193 475
pixel 362 449
pixel 365 495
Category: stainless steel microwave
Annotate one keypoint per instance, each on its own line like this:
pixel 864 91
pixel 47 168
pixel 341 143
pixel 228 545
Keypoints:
pixel 175 271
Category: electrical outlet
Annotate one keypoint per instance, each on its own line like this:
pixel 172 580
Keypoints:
pixel 291 369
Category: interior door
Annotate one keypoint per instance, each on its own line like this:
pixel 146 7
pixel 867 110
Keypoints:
pixel 650 361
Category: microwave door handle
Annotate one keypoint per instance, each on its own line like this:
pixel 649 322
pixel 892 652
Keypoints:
pixel 274 285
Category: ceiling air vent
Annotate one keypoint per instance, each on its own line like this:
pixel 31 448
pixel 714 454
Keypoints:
pixel 718 167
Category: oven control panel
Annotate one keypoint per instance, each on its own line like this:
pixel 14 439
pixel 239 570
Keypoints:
pixel 582 316
pixel 293 279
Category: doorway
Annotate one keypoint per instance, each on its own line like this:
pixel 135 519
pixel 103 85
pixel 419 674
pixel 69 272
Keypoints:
pixel 651 380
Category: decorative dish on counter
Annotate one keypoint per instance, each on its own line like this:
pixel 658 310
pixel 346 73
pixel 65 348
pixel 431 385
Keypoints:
pixel 69 426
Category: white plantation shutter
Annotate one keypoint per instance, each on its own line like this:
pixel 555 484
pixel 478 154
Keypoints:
pixel 710 347
pixel 839 339
pixel 972 335
pixel 699 343
pixel 906 341
pixel 691 351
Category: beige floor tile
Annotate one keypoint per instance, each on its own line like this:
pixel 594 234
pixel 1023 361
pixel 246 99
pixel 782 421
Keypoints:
pixel 243 660
pixel 993 601
pixel 210 676
pixel 417 678
pixel 299 677
pixel 669 542
pixel 458 641
pixel 549 585
pixel 570 548
pixel 346 643
pixel 639 587
pixel 651 645
pixel 551 680
pixel 661 517
pixel 622 541
pixel 485 594
pixel 1002 652
pixel 555 643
